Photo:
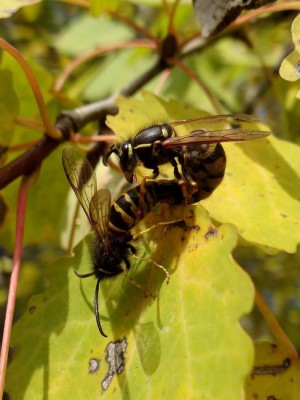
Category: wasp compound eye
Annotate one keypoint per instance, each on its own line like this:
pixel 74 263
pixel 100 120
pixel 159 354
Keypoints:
pixel 127 160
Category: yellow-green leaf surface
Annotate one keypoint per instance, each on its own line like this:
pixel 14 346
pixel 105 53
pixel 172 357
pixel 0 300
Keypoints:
pixel 9 7
pixel 290 67
pixel 260 193
pixel 104 5
pixel 185 343
pixel 9 107
pixel 275 375
pixel 44 203
pixel 261 190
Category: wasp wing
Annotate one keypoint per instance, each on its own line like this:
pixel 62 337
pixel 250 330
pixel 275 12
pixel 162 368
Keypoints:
pixel 99 214
pixel 81 177
pixel 202 136
pixel 216 119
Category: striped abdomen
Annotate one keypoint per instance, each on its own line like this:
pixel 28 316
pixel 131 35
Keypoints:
pixel 125 211
pixel 206 170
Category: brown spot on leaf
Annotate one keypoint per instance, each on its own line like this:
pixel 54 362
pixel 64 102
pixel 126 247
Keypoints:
pixel 297 68
pixel 211 232
pixel 94 365
pixel 32 309
pixel 115 352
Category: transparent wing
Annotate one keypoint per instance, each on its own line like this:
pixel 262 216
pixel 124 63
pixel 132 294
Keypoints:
pixel 99 214
pixel 225 135
pixel 82 179
pixel 216 119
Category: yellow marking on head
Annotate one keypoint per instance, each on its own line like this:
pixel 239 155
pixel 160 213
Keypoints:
pixel 165 133
pixel 141 146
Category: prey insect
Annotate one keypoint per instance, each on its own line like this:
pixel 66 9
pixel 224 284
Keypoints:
pixel 111 223
pixel 160 144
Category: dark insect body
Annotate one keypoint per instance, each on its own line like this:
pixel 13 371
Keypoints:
pixel 204 168
pixel 112 223
pixel 159 144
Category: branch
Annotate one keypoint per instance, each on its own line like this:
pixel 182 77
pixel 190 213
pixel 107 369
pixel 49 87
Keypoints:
pixel 81 116
pixel 69 122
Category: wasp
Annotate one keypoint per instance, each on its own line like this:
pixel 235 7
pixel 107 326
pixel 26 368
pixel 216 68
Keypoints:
pixel 111 223
pixel 199 154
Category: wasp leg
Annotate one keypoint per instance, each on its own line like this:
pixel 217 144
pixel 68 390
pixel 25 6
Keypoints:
pixel 184 191
pixel 156 264
pixel 188 190
pixel 141 198
pixel 147 293
pixel 155 173
pixel 174 164
pixel 132 248
pixel 135 236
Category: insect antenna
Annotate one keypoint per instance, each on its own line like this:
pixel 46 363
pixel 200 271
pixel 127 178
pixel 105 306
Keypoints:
pixel 96 308
pixel 83 275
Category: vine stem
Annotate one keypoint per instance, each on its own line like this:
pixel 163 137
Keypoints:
pixel 144 32
pixel 96 53
pixel 50 129
pixel 279 334
pixel 289 5
pixel 214 102
pixel 11 301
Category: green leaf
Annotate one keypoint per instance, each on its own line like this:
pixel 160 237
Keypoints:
pixel 9 107
pixel 275 374
pixel 26 100
pixel 260 193
pixel 45 212
pixel 190 330
pixel 290 66
pixel 93 33
pixel 104 5
pixel 260 190
pixel 157 2
pixel 9 7
pixel 42 207
pixel 108 79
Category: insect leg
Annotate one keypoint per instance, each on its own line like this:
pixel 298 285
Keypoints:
pixel 175 167
pixel 135 236
pixel 132 248
pixel 154 263
pixel 141 197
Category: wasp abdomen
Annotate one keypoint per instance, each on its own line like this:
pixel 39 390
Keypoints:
pixel 207 172
pixel 127 210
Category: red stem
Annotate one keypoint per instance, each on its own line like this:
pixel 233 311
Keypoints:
pixel 11 301
pixel 49 128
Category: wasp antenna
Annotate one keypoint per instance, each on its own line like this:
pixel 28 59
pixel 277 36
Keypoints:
pixel 108 154
pixel 83 275
pixel 96 308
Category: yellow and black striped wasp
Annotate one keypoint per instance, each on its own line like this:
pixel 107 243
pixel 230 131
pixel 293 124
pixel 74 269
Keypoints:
pixel 200 155
pixel 111 223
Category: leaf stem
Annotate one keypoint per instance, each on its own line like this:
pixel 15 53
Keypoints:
pixel 144 32
pixel 214 102
pixel 11 301
pixel 77 62
pixel 50 129
pixel 279 334
pixel 289 5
